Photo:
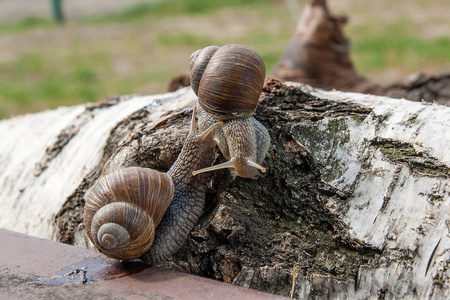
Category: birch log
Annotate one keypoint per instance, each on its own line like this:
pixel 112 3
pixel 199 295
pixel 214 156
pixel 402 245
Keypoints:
pixel 355 203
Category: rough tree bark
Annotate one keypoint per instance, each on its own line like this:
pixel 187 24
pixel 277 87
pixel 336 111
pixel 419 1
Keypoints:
pixel 355 202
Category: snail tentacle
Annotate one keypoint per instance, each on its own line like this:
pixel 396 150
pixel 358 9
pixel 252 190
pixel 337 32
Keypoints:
pixel 207 132
pixel 225 165
pixel 253 164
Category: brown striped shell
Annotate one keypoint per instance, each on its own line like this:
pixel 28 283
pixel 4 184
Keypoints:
pixel 227 80
pixel 123 208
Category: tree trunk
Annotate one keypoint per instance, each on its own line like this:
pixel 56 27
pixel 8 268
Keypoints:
pixel 354 204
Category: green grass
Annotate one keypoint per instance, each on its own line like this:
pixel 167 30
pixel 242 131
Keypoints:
pixel 378 52
pixel 182 38
pixel 40 80
pixel 26 24
pixel 395 44
pixel 45 77
pixel 174 8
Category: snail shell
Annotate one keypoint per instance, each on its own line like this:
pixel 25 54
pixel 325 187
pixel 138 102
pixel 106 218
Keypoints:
pixel 227 80
pixel 124 207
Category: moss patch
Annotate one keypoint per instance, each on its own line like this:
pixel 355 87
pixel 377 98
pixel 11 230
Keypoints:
pixel 404 153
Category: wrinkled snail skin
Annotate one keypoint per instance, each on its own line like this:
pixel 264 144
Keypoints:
pixel 262 140
pixel 240 141
pixel 132 196
pixel 228 81
pixel 189 198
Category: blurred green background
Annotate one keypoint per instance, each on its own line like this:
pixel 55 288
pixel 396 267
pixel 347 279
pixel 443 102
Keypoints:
pixel 138 46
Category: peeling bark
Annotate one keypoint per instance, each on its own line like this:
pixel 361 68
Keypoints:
pixel 354 203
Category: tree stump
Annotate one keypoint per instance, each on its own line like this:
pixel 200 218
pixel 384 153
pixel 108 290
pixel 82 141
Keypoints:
pixel 319 54
pixel 354 204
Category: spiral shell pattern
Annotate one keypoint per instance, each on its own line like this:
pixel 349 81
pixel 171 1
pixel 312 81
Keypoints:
pixel 227 80
pixel 123 208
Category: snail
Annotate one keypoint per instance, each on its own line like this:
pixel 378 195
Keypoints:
pixel 228 81
pixel 142 213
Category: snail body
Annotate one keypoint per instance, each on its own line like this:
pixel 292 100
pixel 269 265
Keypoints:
pixel 139 212
pixel 241 141
pixel 228 81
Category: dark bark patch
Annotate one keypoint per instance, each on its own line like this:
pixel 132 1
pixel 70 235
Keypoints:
pixel 51 152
